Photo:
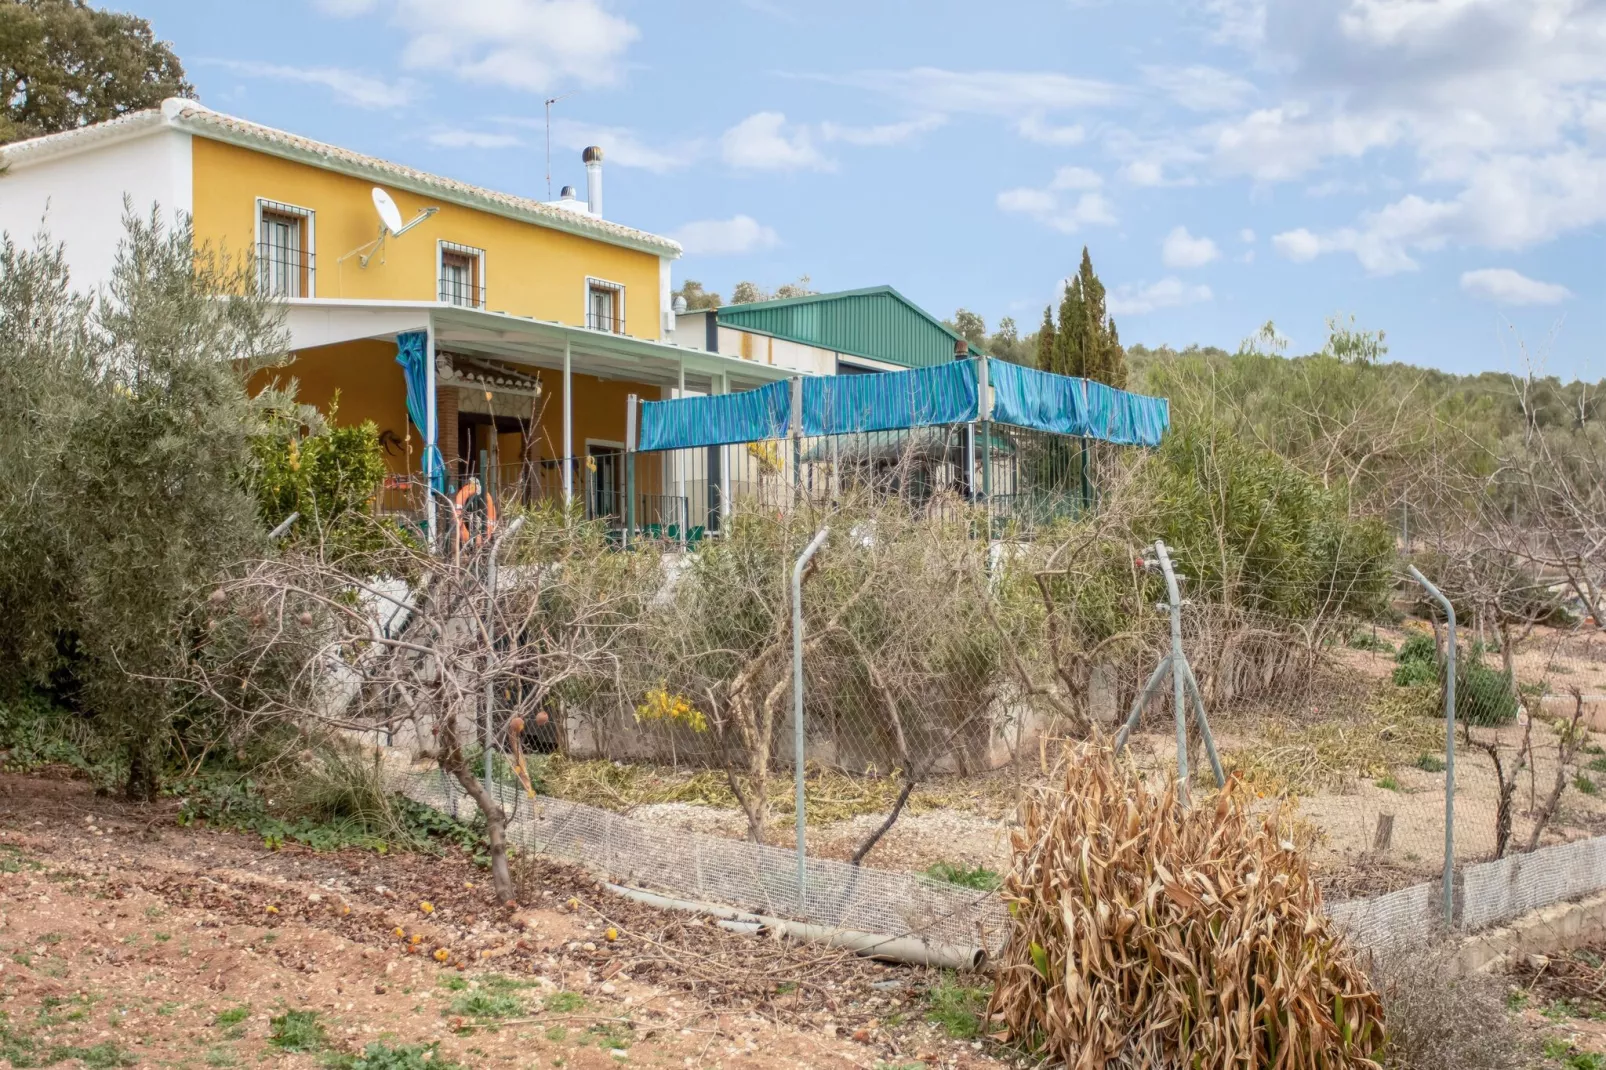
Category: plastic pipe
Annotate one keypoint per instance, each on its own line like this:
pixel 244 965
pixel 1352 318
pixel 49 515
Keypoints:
pixel 912 950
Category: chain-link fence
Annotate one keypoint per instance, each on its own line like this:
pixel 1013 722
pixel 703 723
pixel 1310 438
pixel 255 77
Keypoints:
pixel 941 672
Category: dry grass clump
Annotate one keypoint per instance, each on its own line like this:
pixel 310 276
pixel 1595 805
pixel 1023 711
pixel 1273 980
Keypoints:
pixel 1148 935
pixel 1395 726
pixel 622 786
pixel 1438 1019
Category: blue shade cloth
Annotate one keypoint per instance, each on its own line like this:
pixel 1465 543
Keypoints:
pixel 412 353
pixel 718 420
pixel 1026 397
pixel 886 401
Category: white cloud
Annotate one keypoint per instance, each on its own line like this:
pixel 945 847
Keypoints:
pixel 726 237
pixel 1200 88
pixel 1144 173
pixel 1169 292
pixel 1038 129
pixel 1075 178
pixel 1509 202
pixel 1246 235
pixel 621 146
pixel 1182 250
pixel 1065 214
pixel 1499 106
pixel 472 139
pixel 1238 22
pixel 1508 287
pixel 530 45
pixel 1299 245
pixel 764 142
pixel 354 88
pixel 885 134
pixel 989 92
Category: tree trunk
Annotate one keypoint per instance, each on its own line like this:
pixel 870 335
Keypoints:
pixel 144 772
pixel 495 831
pixel 452 760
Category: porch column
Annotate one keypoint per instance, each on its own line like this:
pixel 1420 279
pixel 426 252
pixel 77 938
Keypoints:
pixel 431 430
pixel 682 506
pixel 568 427
pixel 724 464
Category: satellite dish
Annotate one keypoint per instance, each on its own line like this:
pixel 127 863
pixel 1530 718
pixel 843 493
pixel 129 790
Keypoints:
pixel 389 214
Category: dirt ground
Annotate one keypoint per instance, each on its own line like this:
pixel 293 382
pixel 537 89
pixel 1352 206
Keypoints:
pixel 126 940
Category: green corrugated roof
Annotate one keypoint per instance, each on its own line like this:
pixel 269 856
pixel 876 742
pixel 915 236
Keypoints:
pixel 879 323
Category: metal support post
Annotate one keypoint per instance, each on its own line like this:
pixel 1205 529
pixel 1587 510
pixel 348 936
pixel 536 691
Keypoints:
pixel 568 427
pixel 630 467
pixel 1184 686
pixel 1174 597
pixel 984 402
pixel 1449 745
pixel 795 431
pixel 798 735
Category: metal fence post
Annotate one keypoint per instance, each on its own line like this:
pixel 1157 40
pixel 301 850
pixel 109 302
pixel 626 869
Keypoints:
pixel 490 641
pixel 1449 745
pixel 797 707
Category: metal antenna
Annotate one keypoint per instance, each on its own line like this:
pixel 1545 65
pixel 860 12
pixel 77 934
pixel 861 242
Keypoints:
pixel 549 102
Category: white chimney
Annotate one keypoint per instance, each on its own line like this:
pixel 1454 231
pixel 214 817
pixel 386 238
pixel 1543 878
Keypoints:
pixel 593 160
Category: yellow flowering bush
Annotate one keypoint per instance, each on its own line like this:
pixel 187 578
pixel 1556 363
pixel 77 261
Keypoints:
pixel 675 709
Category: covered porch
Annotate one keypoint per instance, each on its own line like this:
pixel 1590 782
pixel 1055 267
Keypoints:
pixel 534 410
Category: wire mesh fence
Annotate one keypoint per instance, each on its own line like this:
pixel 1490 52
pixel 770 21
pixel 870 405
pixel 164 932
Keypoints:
pixel 943 669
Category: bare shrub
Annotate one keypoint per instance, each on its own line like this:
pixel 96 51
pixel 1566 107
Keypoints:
pixel 1438 1020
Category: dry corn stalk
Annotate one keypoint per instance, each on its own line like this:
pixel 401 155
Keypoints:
pixel 1147 935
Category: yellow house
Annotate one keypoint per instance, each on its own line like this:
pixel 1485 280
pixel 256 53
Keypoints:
pixel 529 324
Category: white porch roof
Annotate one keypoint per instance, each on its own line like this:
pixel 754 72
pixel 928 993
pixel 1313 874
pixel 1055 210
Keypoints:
pixel 313 322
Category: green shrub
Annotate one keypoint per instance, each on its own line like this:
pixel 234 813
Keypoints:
pixel 328 474
pixel 297 1031
pixel 1418 648
pixel 1483 695
pixel 1415 674
pixel 1361 639
pixel 978 877
pixel 959 1009
pixel 381 1056
pixel 1253 530
pixel 318 815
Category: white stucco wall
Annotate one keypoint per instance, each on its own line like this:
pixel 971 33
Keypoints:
pixel 78 199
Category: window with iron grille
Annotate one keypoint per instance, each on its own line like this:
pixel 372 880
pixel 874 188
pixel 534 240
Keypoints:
pixel 605 306
pixel 462 275
pixel 284 249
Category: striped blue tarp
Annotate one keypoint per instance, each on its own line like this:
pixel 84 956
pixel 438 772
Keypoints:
pixel 888 401
pixel 718 420
pixel 1026 397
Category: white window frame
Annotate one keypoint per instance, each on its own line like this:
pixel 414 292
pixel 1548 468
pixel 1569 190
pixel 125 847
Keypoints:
pixel 618 288
pixel 442 247
pixel 269 205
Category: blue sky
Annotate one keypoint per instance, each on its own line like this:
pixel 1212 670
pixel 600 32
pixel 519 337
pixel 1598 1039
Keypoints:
pixel 1435 167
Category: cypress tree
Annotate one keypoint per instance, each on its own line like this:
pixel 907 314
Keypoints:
pixel 1085 342
pixel 1045 341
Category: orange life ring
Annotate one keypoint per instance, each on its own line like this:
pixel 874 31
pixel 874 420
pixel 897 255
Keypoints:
pixel 470 490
